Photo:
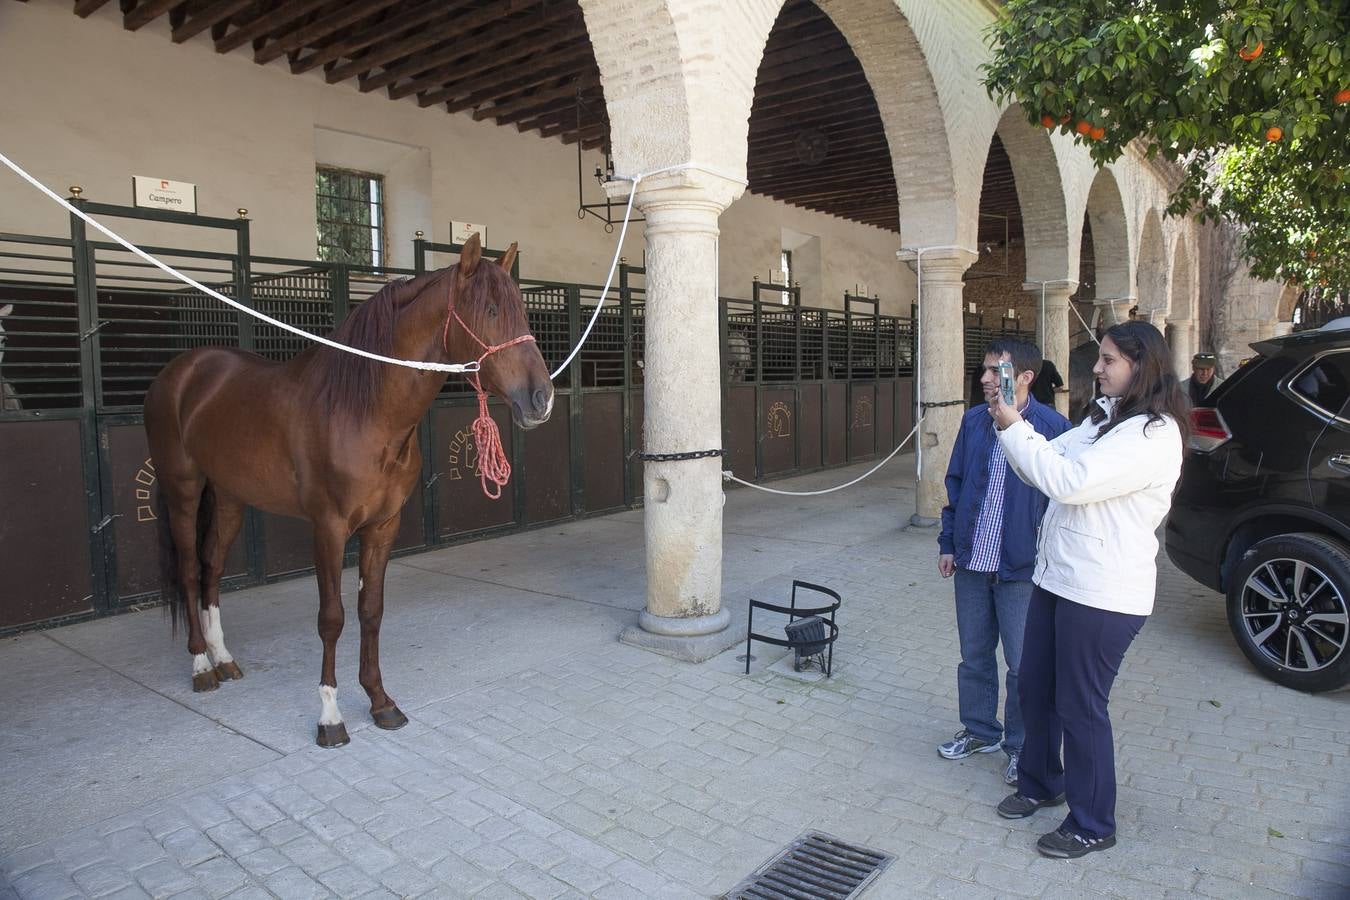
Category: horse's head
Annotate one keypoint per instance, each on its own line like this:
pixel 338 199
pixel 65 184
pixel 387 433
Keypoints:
pixel 489 304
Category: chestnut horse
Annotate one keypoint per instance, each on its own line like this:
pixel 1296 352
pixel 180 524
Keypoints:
pixel 329 437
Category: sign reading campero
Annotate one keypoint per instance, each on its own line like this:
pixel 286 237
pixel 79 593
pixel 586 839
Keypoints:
pixel 160 193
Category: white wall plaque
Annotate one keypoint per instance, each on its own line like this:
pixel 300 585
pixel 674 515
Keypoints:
pixel 160 193
pixel 460 231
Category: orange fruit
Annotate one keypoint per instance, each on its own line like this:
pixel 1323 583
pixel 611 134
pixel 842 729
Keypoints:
pixel 1253 53
pixel 1048 120
pixel 1097 133
pixel 1342 96
pixel 1274 133
pixel 1083 127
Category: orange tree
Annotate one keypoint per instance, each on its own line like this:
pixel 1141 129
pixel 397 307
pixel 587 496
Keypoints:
pixel 1250 97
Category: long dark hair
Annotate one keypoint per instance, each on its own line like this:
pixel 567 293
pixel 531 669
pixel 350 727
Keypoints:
pixel 1154 390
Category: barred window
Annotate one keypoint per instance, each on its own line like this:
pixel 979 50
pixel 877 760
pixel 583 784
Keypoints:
pixel 350 216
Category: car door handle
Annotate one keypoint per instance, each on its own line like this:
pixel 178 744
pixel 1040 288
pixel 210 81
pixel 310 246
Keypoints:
pixel 1340 462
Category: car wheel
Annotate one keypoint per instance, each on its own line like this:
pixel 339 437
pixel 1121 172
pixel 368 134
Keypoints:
pixel 1289 608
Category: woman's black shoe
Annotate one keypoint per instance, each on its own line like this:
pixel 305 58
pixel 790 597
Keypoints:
pixel 1016 806
pixel 1063 844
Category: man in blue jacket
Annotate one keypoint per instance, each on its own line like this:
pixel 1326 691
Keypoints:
pixel 988 541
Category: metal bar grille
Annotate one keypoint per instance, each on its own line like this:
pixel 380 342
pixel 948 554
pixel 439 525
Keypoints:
pixel 816 866
pixel 146 318
pixel 39 325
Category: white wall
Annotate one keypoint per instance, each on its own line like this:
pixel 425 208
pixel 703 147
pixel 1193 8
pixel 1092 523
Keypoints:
pixel 249 136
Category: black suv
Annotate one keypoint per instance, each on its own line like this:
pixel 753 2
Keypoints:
pixel 1262 512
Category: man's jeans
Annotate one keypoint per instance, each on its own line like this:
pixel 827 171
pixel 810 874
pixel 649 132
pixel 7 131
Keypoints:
pixel 988 609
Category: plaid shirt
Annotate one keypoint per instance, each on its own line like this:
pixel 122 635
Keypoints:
pixel 987 547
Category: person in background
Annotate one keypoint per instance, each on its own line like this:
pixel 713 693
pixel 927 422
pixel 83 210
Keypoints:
pixel 988 542
pixel 1203 381
pixel 1048 383
pixel 1110 483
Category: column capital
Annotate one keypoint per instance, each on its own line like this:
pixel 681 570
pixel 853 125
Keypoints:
pixel 943 262
pixel 1062 289
pixel 692 186
pixel 1117 309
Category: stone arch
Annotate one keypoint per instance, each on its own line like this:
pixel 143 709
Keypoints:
pixel 880 35
pixel 1040 195
pixel 679 88
pixel 1151 274
pixel 1110 241
pixel 641 87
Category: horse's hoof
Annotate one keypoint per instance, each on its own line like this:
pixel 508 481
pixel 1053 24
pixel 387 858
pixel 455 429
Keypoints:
pixel 389 718
pixel 229 671
pixel 204 681
pixel 333 735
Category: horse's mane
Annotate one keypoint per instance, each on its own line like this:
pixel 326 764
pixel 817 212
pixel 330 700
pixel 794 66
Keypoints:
pixel 349 384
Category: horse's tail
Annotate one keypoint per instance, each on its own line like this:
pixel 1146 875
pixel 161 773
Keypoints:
pixel 170 588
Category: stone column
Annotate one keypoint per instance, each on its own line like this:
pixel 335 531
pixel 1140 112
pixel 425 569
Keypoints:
pixel 1053 328
pixel 1110 312
pixel 1180 332
pixel 942 374
pixel 683 412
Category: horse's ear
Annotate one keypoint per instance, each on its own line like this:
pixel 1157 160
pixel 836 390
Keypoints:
pixel 469 256
pixel 509 257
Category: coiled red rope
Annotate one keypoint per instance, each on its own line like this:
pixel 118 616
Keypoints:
pixel 493 465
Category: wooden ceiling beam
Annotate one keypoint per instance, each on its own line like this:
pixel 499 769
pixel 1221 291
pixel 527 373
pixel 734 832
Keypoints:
pixel 384 30
pixel 761 137
pixel 319 29
pixel 566 129
pixel 564 117
pixel 147 11
pixel 835 185
pixel 85 8
pixel 522 107
pixel 873 146
pixel 474 92
pixel 209 17
pixel 280 16
pixel 397 50
pixel 436 68
pixel 813 108
pixel 857 173
pixel 769 75
pixel 838 78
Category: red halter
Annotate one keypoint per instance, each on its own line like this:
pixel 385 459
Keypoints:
pixel 492 463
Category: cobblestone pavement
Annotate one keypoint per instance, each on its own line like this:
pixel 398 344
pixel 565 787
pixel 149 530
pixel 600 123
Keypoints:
pixel 595 769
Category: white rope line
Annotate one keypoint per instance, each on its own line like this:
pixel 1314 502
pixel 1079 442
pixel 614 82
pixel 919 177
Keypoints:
pixel 410 363
pixel 455 368
pixel 618 248
pixel 727 476
pixel 1073 306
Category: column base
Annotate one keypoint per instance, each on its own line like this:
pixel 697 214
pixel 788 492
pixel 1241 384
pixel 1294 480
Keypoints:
pixel 918 521
pixel 692 639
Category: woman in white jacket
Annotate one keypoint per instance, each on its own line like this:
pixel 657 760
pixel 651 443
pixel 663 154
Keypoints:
pixel 1110 483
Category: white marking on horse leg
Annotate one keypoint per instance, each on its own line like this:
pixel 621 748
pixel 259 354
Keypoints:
pixel 215 636
pixel 200 663
pixel 328 697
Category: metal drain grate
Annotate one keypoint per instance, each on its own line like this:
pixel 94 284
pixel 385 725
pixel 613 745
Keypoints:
pixel 814 867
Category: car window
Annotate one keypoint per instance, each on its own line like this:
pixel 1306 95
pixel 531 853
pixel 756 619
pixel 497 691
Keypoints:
pixel 1326 383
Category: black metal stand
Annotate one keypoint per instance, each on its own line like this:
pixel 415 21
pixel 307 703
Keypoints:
pixel 805 644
